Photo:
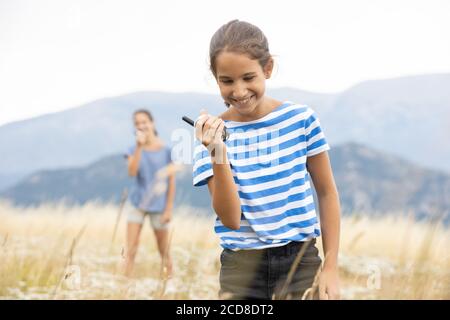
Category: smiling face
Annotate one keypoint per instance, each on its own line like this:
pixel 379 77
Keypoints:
pixel 143 123
pixel 242 81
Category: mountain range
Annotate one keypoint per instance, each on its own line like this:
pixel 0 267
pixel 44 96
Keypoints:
pixel 368 181
pixel 407 117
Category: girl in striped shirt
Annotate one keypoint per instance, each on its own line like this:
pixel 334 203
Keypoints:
pixel 259 179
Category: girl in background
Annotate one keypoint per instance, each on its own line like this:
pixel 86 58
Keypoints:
pixel 149 161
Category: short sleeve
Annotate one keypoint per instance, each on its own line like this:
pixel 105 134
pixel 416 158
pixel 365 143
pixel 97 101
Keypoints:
pixel 202 168
pixel 315 138
pixel 129 152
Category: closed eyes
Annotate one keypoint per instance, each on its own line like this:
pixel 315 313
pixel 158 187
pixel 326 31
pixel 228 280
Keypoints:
pixel 229 81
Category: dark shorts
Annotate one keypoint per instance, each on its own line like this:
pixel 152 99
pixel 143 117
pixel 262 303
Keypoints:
pixel 262 274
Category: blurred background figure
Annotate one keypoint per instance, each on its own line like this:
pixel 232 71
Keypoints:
pixel 149 160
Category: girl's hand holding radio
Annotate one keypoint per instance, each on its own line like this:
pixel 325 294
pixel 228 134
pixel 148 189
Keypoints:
pixel 208 129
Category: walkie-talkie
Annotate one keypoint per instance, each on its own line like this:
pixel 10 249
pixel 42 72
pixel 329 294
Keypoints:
pixel 225 133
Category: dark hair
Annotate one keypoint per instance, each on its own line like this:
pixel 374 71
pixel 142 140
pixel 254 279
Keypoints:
pixel 241 37
pixel 149 115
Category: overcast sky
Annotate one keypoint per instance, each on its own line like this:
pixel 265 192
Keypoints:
pixel 57 54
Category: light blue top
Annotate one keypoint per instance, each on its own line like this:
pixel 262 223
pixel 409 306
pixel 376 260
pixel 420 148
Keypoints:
pixel 150 190
pixel 268 161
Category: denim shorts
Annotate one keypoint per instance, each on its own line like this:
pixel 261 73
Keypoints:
pixel 135 215
pixel 262 273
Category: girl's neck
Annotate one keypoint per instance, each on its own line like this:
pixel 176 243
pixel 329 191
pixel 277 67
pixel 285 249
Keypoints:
pixel 153 143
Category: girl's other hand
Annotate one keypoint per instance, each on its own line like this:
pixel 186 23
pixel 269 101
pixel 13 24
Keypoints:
pixel 329 285
pixel 166 217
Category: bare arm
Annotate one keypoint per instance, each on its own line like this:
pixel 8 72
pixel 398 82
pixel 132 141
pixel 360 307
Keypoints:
pixel 224 194
pixel 170 193
pixel 320 170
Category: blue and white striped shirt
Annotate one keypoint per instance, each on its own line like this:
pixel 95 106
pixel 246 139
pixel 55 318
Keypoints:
pixel 268 161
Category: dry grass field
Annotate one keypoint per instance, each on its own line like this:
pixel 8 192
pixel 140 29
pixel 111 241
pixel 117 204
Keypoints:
pixel 59 252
